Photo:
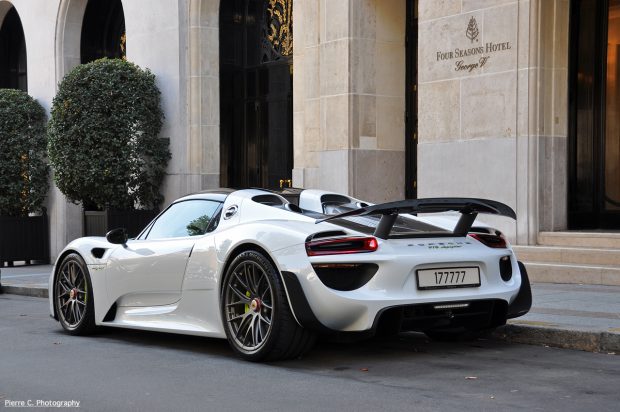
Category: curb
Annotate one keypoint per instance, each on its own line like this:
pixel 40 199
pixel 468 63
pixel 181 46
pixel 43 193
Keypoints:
pixel 590 341
pixel 25 291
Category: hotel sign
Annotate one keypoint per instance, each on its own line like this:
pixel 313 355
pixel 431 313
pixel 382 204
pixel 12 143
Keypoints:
pixel 473 55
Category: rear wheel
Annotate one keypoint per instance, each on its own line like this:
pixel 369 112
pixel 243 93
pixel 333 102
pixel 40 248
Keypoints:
pixel 257 319
pixel 73 298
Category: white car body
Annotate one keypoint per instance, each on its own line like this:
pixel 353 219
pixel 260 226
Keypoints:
pixel 173 284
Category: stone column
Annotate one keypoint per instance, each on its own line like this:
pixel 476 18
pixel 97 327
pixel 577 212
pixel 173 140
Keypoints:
pixel 468 97
pixel 348 88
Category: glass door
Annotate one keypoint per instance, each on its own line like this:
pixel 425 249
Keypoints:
pixel 594 120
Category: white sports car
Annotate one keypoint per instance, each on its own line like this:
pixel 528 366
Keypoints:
pixel 270 270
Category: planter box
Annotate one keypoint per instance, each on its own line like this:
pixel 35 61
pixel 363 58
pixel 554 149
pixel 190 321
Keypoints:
pixel 24 238
pixel 100 223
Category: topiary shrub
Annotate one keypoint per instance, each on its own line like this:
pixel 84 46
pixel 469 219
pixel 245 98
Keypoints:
pixel 23 169
pixel 103 139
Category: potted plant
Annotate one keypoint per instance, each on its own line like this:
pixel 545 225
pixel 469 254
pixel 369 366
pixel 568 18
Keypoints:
pixel 24 230
pixel 104 144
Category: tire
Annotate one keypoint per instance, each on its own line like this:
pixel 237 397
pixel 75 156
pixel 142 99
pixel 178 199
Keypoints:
pixel 73 297
pixel 255 312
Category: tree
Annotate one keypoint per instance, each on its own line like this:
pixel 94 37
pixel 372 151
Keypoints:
pixel 23 168
pixel 104 143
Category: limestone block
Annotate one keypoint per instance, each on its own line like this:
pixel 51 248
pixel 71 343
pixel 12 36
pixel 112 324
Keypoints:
pixel 443 43
pixel 523 101
pixel 390 72
pixel 300 75
pixel 469 5
pixel 209 52
pixel 364 63
pixel 523 45
pixel 439 111
pixel 363 18
pixel 312 125
pixel 334 68
pixel 560 59
pixel 335 133
pixel 306 17
pixel 489 106
pixel 336 14
pixel 390 20
pixel 333 171
pixel 500 27
pixel 391 123
pixel 560 102
pixel 363 119
pixel 298 138
pixel 310 72
pixel 433 9
pixel 210 101
pixel 210 13
pixel 482 168
pixel 210 149
pixel 378 175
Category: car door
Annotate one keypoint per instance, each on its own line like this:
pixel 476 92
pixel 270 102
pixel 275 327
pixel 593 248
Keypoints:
pixel 149 271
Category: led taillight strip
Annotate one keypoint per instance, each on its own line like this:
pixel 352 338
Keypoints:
pixel 341 246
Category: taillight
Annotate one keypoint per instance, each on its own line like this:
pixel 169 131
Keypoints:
pixel 341 246
pixel 494 241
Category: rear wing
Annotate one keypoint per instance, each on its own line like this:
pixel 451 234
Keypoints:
pixel 468 207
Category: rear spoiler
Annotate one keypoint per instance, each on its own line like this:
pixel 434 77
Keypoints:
pixel 468 207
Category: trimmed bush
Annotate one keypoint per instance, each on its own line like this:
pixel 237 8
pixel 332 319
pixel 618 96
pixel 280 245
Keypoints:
pixel 23 170
pixel 103 136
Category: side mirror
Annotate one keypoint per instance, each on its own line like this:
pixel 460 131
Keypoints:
pixel 117 236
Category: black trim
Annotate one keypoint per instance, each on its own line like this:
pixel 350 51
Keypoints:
pixel 300 306
pixel 523 302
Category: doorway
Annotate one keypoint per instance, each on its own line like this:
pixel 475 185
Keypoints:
pixel 256 93
pixel 594 115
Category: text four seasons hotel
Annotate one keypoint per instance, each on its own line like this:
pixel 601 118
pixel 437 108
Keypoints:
pixel 517 101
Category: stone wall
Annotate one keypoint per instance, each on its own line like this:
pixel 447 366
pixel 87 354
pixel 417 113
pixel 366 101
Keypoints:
pixel 492 107
pixel 349 97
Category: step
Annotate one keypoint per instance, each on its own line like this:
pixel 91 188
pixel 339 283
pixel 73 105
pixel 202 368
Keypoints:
pixel 605 240
pixel 570 273
pixel 568 255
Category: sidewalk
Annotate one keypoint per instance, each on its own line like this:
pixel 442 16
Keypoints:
pixel 584 317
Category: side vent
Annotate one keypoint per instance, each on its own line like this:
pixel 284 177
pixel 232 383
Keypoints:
pixel 98 252
pixel 111 315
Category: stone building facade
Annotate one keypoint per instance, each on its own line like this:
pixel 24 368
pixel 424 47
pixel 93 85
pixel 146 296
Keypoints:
pixel 386 98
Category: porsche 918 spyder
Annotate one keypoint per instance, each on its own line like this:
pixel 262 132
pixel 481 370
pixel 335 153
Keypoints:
pixel 269 271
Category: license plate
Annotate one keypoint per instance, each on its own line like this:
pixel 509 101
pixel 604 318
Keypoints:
pixel 444 278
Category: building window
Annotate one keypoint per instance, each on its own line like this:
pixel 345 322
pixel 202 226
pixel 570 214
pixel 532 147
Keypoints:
pixel 13 73
pixel 103 31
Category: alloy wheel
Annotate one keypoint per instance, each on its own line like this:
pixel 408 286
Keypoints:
pixel 248 303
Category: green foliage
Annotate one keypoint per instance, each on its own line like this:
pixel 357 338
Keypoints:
pixel 23 169
pixel 103 136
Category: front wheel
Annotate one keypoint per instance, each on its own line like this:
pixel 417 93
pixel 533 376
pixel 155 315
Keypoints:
pixel 257 319
pixel 73 298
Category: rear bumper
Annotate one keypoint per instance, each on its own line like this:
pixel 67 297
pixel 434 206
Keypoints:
pixel 480 312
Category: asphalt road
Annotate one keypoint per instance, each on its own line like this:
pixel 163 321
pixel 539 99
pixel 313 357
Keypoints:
pixel 120 370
